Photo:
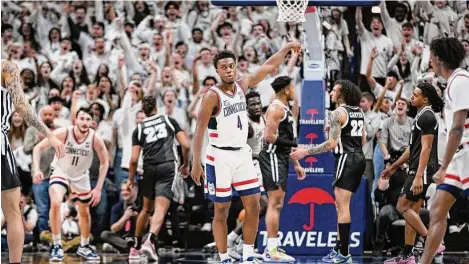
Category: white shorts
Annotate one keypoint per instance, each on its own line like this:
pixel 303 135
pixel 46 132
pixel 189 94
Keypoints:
pixel 257 167
pixel 457 174
pixel 227 169
pixel 79 187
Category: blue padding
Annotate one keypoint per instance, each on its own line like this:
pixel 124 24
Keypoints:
pixel 311 3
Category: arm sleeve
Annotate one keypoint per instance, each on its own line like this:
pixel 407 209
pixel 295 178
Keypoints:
pixel 427 123
pixel 137 137
pixel 175 124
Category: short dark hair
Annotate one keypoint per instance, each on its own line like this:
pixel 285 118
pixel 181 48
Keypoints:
pixel 209 78
pixel 401 5
pixel 6 27
pixel 180 43
pixel 86 110
pixel 171 3
pixel 281 83
pixel 434 99
pixel 349 92
pixel 204 48
pixel 408 25
pixel 223 54
pixel 242 58
pixel 449 50
pixel 197 29
pixel 148 104
pixel 80 7
pixel 252 95
pixel 368 96
pixel 393 74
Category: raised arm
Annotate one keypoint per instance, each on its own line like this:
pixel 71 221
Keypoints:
pixel 270 65
pixel 359 21
pixel 369 70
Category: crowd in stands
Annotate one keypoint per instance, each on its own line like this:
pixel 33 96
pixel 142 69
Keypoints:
pixel 107 55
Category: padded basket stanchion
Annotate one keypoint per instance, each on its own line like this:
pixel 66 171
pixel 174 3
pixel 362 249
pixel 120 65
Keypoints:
pixel 292 10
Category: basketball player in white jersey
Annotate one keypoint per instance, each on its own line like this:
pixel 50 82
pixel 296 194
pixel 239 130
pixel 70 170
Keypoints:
pixel 70 173
pixel 446 55
pixel 12 95
pixel 228 160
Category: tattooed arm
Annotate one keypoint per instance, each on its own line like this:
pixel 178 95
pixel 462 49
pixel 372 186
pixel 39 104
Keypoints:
pixel 337 118
pixel 11 80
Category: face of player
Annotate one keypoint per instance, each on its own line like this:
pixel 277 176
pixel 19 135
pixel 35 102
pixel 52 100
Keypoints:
pixel 290 92
pixel 401 107
pixel 254 106
pixel 83 122
pixel 226 68
pixel 335 93
pixel 418 99
pixel 435 62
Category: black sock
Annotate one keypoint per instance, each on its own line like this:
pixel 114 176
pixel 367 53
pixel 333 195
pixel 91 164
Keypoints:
pixel 152 238
pixel 337 246
pixel 407 249
pixel 138 242
pixel 344 234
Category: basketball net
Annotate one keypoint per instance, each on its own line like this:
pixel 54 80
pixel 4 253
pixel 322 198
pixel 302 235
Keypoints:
pixel 292 10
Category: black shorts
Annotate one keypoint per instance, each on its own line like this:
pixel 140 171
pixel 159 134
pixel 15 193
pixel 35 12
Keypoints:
pixel 158 180
pixel 274 169
pixel 10 178
pixel 408 184
pixel 349 169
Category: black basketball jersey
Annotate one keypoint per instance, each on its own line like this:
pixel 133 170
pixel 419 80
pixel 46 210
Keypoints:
pixel 156 135
pixel 286 130
pixel 352 131
pixel 425 123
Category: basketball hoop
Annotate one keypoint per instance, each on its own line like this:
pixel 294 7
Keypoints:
pixel 292 10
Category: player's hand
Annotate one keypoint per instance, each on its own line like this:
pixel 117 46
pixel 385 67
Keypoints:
pixel 388 172
pixel 95 197
pixel 294 46
pixel 298 153
pixel 300 171
pixel 184 170
pixel 38 177
pixel 439 176
pixel 197 173
pixel 58 146
pixel 417 185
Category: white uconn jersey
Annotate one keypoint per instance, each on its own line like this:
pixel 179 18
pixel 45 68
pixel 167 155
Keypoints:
pixel 78 155
pixel 255 142
pixel 456 99
pixel 228 127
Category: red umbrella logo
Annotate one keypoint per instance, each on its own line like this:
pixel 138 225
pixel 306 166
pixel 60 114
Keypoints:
pixel 312 112
pixel 311 160
pixel 311 137
pixel 311 196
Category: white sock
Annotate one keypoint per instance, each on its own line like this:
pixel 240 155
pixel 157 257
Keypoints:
pixel 232 236
pixel 84 241
pixel 248 251
pixel 272 243
pixel 57 240
pixel 223 256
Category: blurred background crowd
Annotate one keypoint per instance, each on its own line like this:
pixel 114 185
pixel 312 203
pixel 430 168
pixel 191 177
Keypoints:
pixel 108 55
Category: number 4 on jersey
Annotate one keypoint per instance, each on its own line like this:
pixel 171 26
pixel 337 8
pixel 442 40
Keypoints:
pixel 240 125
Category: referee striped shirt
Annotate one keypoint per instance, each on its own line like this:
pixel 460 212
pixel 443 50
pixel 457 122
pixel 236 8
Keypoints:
pixel 7 110
pixel 395 135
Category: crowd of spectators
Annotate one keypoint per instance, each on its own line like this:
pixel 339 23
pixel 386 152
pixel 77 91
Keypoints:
pixel 108 55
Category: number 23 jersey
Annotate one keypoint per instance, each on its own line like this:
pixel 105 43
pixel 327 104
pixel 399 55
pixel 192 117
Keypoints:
pixel 352 131
pixel 156 136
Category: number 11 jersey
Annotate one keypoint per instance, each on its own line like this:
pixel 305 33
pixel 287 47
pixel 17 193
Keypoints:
pixel 156 135
pixel 352 131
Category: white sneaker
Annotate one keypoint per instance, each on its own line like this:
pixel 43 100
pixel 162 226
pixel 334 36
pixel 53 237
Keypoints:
pixel 456 228
pixel 236 251
pixel 277 255
pixel 108 248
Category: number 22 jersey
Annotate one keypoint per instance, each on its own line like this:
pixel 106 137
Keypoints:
pixel 352 131
pixel 156 135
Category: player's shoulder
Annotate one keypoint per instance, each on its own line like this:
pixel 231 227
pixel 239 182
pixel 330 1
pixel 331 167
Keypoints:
pixel 461 77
